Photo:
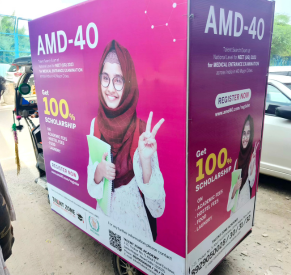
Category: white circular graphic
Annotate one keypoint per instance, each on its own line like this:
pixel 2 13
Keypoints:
pixel 167 20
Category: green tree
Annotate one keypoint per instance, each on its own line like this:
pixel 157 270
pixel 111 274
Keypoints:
pixel 281 42
pixel 7 42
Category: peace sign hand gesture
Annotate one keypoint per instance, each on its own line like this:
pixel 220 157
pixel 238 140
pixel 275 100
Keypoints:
pixel 253 158
pixel 147 144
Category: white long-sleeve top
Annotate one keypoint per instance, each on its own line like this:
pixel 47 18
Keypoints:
pixel 127 207
pixel 244 195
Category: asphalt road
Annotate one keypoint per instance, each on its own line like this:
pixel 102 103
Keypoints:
pixel 46 244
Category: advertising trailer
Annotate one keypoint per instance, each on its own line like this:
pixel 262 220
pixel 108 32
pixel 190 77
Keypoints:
pixel 151 118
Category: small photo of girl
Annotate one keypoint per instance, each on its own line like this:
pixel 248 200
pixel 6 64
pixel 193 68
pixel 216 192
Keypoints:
pixel 138 196
pixel 247 163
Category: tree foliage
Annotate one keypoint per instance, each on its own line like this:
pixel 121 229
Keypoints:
pixel 281 42
pixel 7 40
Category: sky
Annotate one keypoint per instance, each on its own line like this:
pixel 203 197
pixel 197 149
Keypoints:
pixel 282 6
pixel 32 9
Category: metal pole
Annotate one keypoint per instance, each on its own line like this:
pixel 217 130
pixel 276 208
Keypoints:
pixel 16 40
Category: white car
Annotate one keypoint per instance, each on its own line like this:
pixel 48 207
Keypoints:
pixel 14 73
pixel 280 70
pixel 286 80
pixel 17 69
pixel 276 147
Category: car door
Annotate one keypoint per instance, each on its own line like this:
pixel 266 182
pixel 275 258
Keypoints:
pixel 276 147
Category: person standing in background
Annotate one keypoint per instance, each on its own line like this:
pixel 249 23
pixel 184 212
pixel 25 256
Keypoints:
pixel 7 214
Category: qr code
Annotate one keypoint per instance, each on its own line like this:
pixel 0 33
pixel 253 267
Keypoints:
pixel 115 240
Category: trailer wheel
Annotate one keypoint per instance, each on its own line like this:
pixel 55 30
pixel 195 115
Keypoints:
pixel 121 267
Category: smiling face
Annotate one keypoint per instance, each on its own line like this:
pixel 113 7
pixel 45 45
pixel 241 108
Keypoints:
pixel 112 97
pixel 246 135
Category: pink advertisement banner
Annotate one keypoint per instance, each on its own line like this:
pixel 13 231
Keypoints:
pixel 228 67
pixel 114 74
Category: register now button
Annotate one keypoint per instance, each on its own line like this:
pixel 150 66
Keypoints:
pixel 64 170
pixel 232 98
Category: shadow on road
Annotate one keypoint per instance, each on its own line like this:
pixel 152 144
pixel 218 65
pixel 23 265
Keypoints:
pixel 275 184
pixel 224 268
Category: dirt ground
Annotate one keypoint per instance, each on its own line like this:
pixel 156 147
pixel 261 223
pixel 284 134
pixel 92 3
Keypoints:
pixel 46 244
pixel 270 254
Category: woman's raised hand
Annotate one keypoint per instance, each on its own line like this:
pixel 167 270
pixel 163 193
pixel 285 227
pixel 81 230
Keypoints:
pixel 147 143
pixel 104 169
pixel 253 159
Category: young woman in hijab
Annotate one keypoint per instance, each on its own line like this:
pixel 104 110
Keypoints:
pixel 138 197
pixel 247 162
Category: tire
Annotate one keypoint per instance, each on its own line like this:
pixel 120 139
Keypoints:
pixel 121 267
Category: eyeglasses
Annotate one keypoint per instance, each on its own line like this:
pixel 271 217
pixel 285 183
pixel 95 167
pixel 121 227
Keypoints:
pixel 246 134
pixel 118 81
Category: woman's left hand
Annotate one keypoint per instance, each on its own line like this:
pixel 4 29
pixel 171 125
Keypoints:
pixel 253 158
pixel 147 144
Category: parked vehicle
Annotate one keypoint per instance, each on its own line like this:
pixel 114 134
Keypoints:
pixel 286 80
pixel 276 147
pixel 280 70
pixel 14 73
pixel 17 69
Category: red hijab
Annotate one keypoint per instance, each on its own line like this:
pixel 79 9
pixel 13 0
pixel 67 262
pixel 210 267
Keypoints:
pixel 245 154
pixel 117 125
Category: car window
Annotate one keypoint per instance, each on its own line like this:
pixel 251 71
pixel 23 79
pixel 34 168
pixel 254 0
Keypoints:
pixel 13 69
pixel 275 98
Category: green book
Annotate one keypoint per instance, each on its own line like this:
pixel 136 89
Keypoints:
pixel 97 148
pixel 235 175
